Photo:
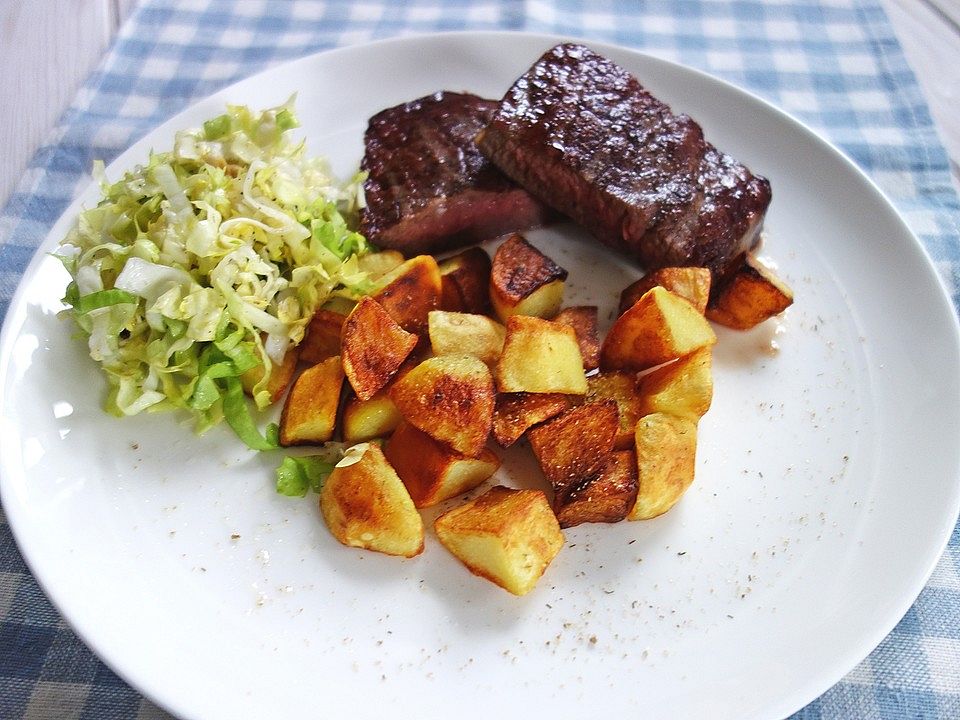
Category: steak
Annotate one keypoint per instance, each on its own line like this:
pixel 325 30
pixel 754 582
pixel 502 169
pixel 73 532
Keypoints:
pixel 583 135
pixel 730 218
pixel 429 188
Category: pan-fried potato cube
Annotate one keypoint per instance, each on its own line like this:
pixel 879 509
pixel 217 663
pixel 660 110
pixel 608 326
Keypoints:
pixel 374 347
pixel 368 419
pixel 605 497
pixel 433 472
pixel 309 414
pixel 378 416
pixel 516 413
pixel 506 536
pixel 540 356
pixel 378 264
pixel 366 505
pixel 410 291
pixel 659 327
pixel 691 283
pixel 322 339
pixel 465 282
pixel 524 281
pixel 583 320
pixel 753 295
pixel 683 388
pixel 621 387
pixel 666 460
pixel 574 445
pixel 280 375
pixel 451 399
pixel 454 333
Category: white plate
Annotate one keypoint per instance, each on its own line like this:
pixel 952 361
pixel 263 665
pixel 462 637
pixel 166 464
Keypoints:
pixel 826 490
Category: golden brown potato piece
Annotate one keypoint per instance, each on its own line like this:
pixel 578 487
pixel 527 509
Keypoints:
pixel 754 295
pixel 378 264
pixel 365 505
pixel 280 376
pixel 465 282
pixel 605 497
pixel 322 339
pixel 691 283
pixel 574 446
pixel 683 388
pixel 524 281
pixel 374 347
pixel 659 327
pixel 666 460
pixel 410 291
pixel 540 356
pixel 309 414
pixel 433 472
pixel 451 399
pixel 516 413
pixel 455 333
pixel 506 536
pixel 378 416
pixel 583 320
pixel 368 419
pixel 621 387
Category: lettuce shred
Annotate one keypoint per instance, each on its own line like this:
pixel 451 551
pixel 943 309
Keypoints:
pixel 200 269
pixel 297 475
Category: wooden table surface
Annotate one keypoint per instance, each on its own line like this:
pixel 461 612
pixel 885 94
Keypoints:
pixel 46 59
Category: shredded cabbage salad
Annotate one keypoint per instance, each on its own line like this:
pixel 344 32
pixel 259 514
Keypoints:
pixel 208 262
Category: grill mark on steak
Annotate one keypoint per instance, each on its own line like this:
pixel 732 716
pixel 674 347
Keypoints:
pixel 429 188
pixel 582 134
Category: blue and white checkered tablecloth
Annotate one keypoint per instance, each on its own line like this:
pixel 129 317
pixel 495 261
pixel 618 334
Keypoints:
pixel 835 65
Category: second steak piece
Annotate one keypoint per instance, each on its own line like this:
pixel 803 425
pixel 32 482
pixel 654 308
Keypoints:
pixel 582 134
pixel 429 188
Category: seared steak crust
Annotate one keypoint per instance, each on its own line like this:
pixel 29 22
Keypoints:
pixel 428 187
pixel 583 135
pixel 731 215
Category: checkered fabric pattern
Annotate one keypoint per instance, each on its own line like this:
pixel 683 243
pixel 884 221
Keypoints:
pixel 836 65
